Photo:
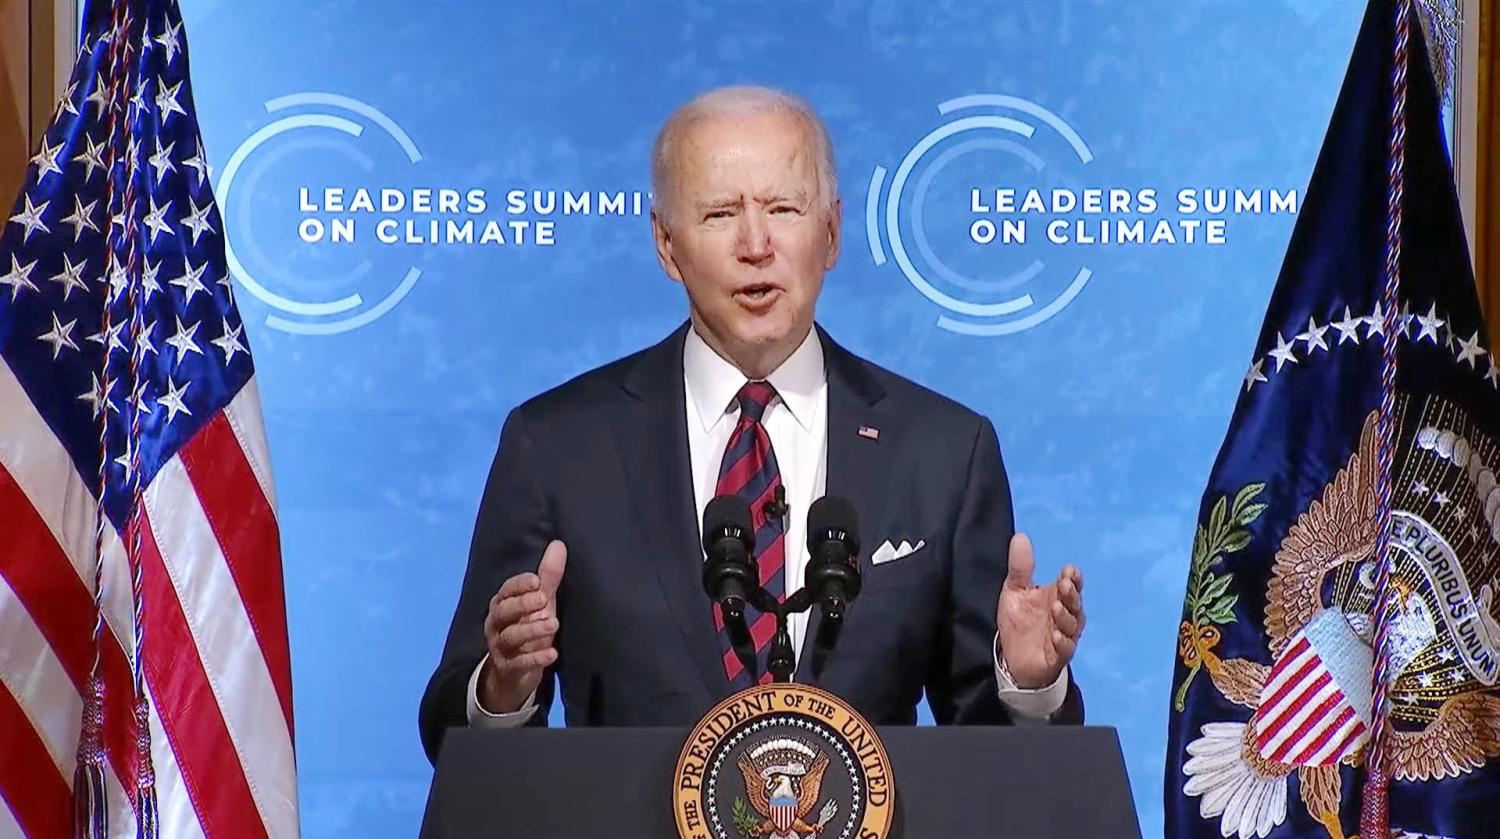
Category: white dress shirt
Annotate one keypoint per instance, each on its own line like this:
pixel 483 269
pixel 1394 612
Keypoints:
pixel 797 423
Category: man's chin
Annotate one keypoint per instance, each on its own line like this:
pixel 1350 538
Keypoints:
pixel 762 333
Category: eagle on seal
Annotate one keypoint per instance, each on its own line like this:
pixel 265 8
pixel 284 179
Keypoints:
pixel 1334 538
pixel 784 793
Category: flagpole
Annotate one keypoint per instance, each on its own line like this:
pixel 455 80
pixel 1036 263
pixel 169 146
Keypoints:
pixel 1375 811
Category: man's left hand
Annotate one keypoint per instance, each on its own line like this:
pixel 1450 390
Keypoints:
pixel 1039 626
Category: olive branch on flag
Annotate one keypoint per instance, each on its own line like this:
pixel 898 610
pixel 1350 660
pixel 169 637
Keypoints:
pixel 1210 603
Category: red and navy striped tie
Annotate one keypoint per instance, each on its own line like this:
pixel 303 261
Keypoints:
pixel 749 471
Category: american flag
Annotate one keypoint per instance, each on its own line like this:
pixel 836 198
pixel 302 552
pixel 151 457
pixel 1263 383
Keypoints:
pixel 125 376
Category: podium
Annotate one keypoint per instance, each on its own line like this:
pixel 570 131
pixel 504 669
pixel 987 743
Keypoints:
pixel 979 782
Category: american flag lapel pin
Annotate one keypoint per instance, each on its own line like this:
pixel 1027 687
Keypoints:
pixel 869 432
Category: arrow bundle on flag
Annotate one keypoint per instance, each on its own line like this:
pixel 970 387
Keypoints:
pixel 1339 653
pixel 145 682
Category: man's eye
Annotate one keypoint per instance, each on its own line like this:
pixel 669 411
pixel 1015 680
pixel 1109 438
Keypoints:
pixel 784 209
pixel 713 214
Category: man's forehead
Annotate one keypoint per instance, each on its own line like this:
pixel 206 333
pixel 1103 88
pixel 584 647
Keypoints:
pixel 716 195
pixel 739 163
pixel 723 138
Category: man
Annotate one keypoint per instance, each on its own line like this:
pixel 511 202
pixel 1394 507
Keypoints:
pixel 587 558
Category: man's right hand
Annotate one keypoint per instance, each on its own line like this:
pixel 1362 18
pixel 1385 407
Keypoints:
pixel 519 631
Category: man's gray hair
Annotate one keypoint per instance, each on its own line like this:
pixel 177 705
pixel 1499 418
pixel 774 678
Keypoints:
pixel 741 99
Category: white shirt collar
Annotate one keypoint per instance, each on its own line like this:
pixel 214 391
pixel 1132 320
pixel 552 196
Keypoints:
pixel 712 381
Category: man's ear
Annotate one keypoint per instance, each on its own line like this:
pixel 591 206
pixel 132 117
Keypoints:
pixel 662 233
pixel 835 232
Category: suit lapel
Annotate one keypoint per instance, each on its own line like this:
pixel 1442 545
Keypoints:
pixel 654 445
pixel 858 466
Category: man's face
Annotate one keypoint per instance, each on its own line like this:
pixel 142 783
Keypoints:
pixel 749 234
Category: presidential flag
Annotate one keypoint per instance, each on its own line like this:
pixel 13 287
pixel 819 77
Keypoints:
pixel 1339 650
pixel 145 683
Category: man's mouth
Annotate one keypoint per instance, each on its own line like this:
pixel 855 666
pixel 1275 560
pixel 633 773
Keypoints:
pixel 757 295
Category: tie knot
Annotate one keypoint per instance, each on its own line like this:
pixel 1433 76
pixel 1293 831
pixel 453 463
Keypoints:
pixel 753 399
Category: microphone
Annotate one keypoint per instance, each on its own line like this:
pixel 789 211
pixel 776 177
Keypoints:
pixel 833 577
pixel 777 506
pixel 729 572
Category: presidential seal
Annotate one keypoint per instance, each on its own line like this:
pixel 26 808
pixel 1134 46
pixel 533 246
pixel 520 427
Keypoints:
pixel 1310 706
pixel 783 761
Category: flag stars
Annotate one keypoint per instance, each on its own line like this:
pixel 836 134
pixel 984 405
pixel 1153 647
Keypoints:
pixel 156 220
pixel 132 157
pixel 172 400
pixel 191 280
pixel 149 285
pixel 126 459
pixel 1313 337
pixel 66 103
pixel 109 338
pixel 82 218
pixel 71 277
pixel 1375 321
pixel 1469 350
pixel 91 157
pixel 143 343
pixel 138 99
pixel 18 277
pixel 199 164
pixel 31 218
pixel 185 340
pixel 60 336
pixel 1404 319
pixel 162 160
pixel 138 399
pixel 95 396
pixel 1420 488
pixel 1440 499
pixel 1254 374
pixel 45 160
pixel 229 342
pixel 166 101
pixel 98 96
pixel 169 42
pixel 1426 326
pixel 197 220
pixel 1283 353
pixel 1348 328
pixel 119 279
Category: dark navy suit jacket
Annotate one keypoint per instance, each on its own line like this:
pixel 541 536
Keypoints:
pixel 602 463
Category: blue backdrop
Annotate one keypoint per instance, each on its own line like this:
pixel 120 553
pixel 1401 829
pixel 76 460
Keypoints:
pixel 390 350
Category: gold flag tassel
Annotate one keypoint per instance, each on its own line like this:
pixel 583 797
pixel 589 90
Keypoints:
pixel 1442 26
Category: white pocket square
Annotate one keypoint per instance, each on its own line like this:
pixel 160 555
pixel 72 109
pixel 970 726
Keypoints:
pixel 888 552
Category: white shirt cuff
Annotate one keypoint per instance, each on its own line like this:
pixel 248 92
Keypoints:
pixel 481 718
pixel 1025 704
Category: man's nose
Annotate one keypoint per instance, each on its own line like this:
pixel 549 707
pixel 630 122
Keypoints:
pixel 755 238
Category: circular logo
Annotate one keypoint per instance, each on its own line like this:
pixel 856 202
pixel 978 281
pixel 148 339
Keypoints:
pixel 298 298
pixel 944 185
pixel 783 761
